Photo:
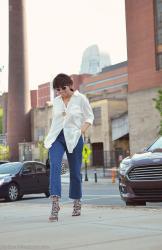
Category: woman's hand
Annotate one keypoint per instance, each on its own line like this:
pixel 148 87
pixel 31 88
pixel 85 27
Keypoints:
pixel 84 127
pixel 83 131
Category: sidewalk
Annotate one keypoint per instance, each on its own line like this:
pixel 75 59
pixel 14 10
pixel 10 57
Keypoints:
pixel 26 226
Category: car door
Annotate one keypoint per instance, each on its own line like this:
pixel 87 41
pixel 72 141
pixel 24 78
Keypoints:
pixel 42 177
pixel 28 178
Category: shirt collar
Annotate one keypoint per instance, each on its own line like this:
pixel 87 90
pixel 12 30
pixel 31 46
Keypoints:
pixel 76 92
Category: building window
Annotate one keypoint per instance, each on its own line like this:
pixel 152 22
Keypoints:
pixel 158 22
pixel 40 133
pixel 159 58
pixel 97 115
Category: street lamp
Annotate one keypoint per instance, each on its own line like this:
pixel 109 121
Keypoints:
pixel 95 172
pixel 86 153
pixel 23 157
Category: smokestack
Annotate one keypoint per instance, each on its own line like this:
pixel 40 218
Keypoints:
pixel 19 106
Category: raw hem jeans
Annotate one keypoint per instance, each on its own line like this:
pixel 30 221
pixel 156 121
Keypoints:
pixel 56 153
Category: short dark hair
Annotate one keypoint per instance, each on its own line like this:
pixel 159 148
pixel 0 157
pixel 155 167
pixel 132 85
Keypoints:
pixel 62 80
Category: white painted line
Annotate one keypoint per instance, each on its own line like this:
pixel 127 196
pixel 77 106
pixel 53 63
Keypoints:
pixel 93 198
pixel 104 195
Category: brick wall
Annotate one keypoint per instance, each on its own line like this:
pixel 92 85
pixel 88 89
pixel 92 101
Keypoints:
pixel 34 98
pixel 79 79
pixel 44 94
pixel 142 73
pixel 109 80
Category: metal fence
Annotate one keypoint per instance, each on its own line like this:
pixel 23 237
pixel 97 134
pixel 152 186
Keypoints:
pixel 107 160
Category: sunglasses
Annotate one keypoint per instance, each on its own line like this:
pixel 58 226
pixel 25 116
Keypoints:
pixel 63 88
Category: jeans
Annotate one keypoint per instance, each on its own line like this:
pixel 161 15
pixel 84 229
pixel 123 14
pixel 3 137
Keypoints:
pixel 56 153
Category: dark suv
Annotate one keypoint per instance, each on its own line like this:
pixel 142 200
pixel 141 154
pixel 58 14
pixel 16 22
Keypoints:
pixel 140 176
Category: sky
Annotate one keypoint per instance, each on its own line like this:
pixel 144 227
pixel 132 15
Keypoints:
pixel 58 33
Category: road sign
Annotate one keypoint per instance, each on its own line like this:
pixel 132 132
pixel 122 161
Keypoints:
pixel 86 153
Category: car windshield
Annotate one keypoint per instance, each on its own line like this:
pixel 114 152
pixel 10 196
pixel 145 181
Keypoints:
pixel 10 168
pixel 156 146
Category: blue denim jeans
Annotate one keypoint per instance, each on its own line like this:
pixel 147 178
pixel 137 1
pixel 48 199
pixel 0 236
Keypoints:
pixel 56 153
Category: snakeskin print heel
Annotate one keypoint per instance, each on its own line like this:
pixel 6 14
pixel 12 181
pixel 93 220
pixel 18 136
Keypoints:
pixel 55 209
pixel 76 208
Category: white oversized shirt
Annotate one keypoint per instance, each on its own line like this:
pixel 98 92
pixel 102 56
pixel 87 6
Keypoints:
pixel 70 118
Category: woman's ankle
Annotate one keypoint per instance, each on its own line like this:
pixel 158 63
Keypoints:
pixel 54 197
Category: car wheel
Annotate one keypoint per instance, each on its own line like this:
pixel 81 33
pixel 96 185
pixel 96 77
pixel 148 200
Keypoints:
pixel 47 194
pixel 13 192
pixel 135 203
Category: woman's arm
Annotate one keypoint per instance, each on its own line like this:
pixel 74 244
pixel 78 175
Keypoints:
pixel 85 126
pixel 88 115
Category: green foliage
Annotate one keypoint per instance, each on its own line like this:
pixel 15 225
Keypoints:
pixel 1 120
pixel 43 152
pixel 158 106
pixel 4 152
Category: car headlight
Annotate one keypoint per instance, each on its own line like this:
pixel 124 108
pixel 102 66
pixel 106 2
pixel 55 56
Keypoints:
pixel 5 180
pixel 123 168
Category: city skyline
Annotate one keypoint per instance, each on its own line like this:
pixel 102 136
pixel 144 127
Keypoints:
pixel 58 37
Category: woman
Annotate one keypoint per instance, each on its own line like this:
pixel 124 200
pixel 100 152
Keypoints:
pixel 72 115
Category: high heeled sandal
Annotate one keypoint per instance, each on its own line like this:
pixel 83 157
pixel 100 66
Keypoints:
pixel 76 208
pixel 55 209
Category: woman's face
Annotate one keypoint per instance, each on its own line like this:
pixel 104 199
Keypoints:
pixel 65 91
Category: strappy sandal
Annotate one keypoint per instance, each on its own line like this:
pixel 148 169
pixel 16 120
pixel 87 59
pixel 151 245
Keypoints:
pixel 76 208
pixel 55 209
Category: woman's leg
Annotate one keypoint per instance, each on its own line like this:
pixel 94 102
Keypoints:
pixel 56 154
pixel 75 162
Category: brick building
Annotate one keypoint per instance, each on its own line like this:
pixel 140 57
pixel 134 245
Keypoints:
pixel 79 79
pixel 104 146
pixel 44 94
pixel 105 109
pixel 34 98
pixel 112 79
pixel 144 45
pixel 107 93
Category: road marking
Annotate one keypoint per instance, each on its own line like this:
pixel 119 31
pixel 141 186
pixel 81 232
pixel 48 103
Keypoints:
pixel 102 195
pixel 94 197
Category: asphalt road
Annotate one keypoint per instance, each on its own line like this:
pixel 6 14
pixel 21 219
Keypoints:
pixel 103 193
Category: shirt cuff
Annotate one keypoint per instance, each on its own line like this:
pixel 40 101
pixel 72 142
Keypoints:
pixel 89 121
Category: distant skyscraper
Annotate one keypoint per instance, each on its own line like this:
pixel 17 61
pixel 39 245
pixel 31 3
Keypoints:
pixel 104 60
pixel 93 61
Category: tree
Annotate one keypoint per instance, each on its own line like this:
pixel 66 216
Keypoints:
pixel 4 152
pixel 1 120
pixel 158 106
pixel 43 152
